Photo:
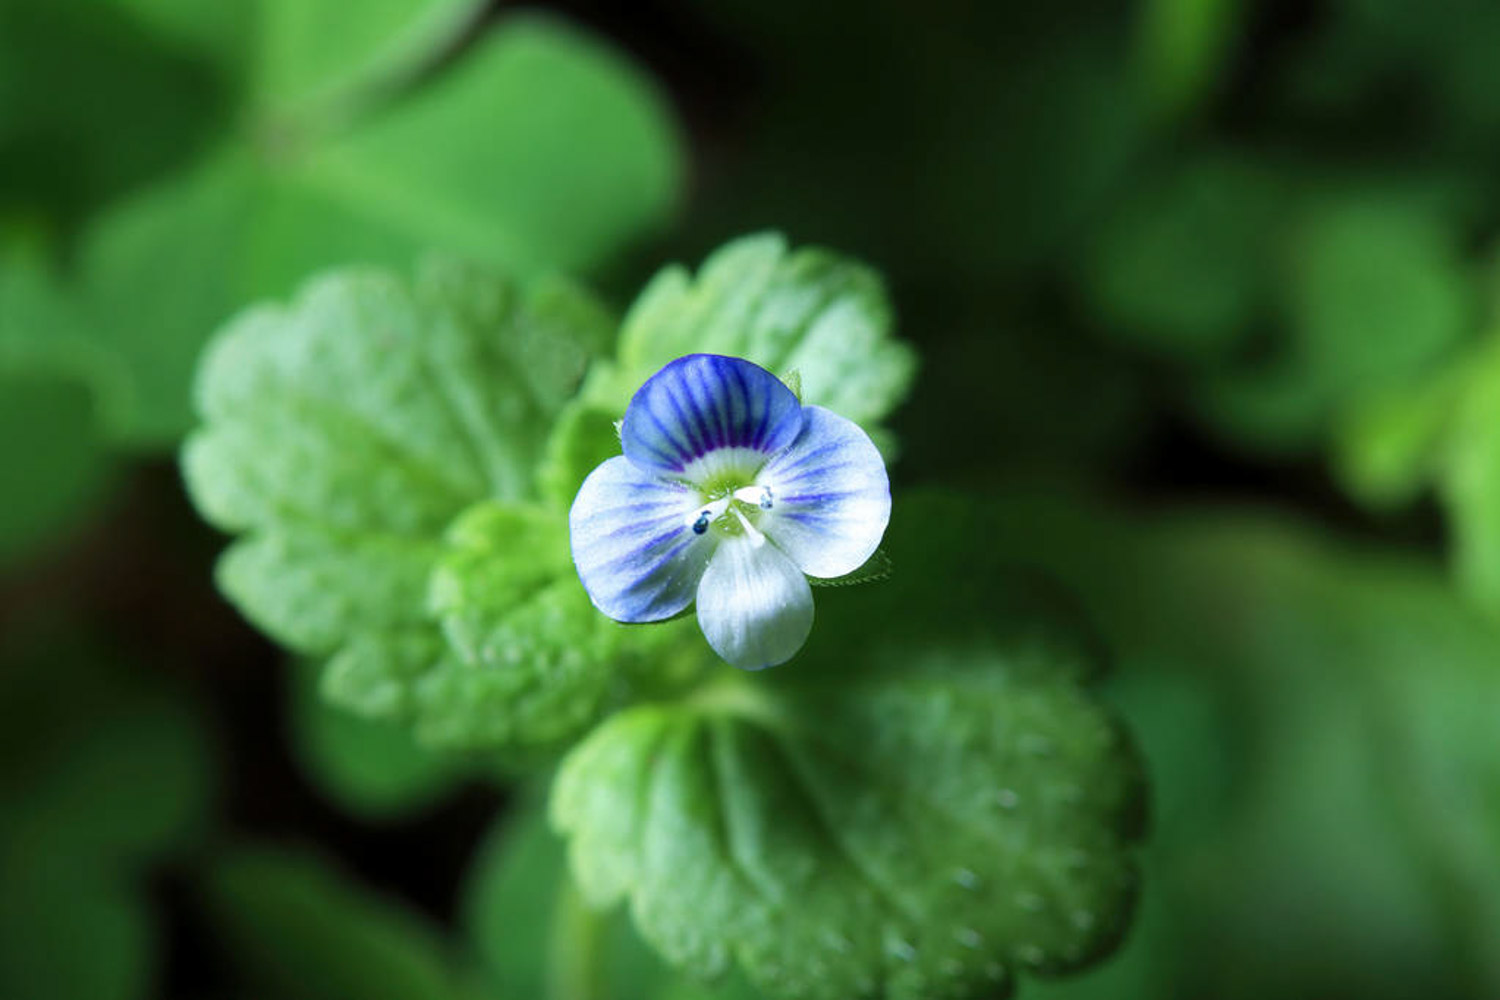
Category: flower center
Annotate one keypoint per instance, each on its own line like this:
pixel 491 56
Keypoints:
pixel 734 512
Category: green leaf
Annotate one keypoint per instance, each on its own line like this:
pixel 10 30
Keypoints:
pixel 540 149
pixel 531 660
pixel 311 54
pixel 896 815
pixel 912 836
pixel 51 379
pixel 343 434
pixel 1389 448
pixel 91 107
pixel 476 163
pixel 1182 269
pixel 1469 481
pixel 1184 50
pixel 296 928
pixel 1347 689
pixel 99 763
pixel 535 938
pixel 1378 292
pixel 371 768
pixel 70 933
pixel 808 310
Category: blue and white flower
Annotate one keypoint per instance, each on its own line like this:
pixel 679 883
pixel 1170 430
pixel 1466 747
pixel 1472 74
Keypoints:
pixel 729 493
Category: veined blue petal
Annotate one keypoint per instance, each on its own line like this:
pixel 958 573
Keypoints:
pixel 754 604
pixel 633 542
pixel 705 403
pixel 830 498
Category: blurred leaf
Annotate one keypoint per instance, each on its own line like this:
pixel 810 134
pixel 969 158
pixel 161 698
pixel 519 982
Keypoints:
pixel 1183 268
pixel 476 163
pixel 1184 50
pixel 70 933
pixel 1470 481
pixel 91 107
pixel 102 770
pixel 56 465
pixel 583 438
pixel 372 768
pixel 540 149
pixel 314 53
pixel 1329 666
pixel 1376 298
pixel 1388 449
pixel 217 31
pixel 1378 293
pixel 810 311
pixel 298 929
pixel 898 816
pixel 98 763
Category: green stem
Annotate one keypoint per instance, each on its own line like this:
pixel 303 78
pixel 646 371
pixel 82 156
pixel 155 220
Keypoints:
pixel 574 962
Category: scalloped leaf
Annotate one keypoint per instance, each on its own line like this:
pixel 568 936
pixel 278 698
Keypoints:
pixel 809 310
pixel 343 434
pixel 900 816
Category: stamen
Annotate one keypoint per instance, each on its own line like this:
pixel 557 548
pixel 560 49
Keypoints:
pixel 706 515
pixel 761 496
pixel 756 538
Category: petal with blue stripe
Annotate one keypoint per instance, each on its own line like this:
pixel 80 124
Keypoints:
pixel 754 605
pixel 634 544
pixel 706 403
pixel 829 497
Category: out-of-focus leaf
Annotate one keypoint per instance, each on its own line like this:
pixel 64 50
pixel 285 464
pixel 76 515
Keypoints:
pixel 371 767
pixel 1184 268
pixel 809 311
pixel 1388 449
pixel 55 466
pixel 314 53
pixel 71 933
pixel 1184 50
pixel 1329 666
pixel 296 928
pixel 1470 481
pixel 1379 292
pixel 1375 298
pixel 91 106
pixel 102 771
pixel 51 378
pixel 538 151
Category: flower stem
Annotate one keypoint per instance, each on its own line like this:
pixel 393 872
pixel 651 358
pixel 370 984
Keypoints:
pixel 574 963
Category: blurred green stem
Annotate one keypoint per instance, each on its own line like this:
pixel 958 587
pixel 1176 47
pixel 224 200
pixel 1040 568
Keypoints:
pixel 574 971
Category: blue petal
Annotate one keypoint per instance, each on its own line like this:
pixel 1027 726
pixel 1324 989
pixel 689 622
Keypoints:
pixel 754 605
pixel 830 497
pixel 633 542
pixel 706 403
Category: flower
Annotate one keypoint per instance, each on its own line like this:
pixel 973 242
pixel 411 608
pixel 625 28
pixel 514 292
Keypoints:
pixel 730 492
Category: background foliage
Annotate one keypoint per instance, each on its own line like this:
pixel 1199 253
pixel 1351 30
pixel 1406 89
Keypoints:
pixel 1200 293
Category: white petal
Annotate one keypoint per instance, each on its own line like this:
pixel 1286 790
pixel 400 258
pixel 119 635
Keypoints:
pixel 633 542
pixel 829 494
pixel 754 604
